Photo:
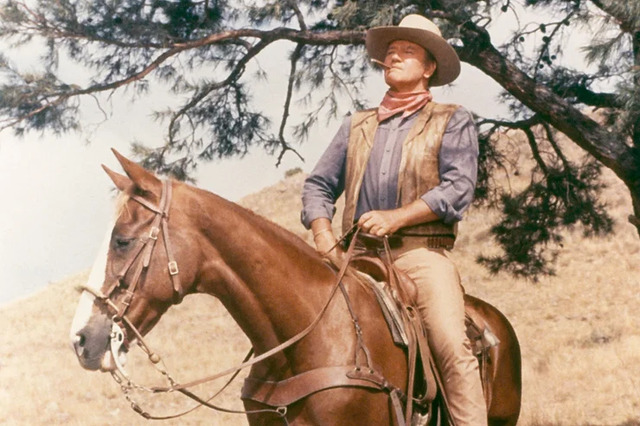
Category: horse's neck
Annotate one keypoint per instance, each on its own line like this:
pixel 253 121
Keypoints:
pixel 264 272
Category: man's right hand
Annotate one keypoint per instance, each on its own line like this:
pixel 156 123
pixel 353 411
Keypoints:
pixel 324 239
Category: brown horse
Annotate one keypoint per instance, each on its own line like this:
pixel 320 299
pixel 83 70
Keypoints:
pixel 274 285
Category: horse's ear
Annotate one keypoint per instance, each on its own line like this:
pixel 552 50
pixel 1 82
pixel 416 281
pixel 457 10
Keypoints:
pixel 143 179
pixel 121 182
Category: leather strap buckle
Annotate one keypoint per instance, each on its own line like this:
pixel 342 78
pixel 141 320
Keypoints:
pixel 153 233
pixel 173 268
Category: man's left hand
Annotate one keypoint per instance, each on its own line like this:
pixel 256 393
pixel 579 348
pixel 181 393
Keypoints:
pixel 386 222
pixel 379 222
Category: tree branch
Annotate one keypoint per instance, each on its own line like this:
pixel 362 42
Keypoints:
pixel 623 17
pixel 265 37
pixel 531 138
pixel 588 97
pixel 32 113
pixel 555 146
pixel 545 55
pixel 60 97
pixel 287 103
pixel 521 125
pixel 585 132
pixel 294 6
pixel 233 76
pixel 42 27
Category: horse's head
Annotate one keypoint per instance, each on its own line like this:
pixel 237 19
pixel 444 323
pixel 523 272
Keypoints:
pixel 141 270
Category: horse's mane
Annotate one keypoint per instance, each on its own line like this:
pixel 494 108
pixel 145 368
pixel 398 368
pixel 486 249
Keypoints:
pixel 120 203
pixel 257 221
pixel 280 232
pixel 264 224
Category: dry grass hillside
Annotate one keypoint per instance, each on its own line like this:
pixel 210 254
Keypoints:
pixel 579 332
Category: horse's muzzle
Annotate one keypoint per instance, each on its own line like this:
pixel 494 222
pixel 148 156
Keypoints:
pixel 92 344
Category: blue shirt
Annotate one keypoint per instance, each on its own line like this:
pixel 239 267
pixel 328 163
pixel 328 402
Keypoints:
pixel 458 168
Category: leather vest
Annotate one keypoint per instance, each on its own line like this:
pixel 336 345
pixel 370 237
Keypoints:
pixel 418 171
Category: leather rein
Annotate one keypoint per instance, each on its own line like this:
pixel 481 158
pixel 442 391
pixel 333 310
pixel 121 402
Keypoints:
pixel 144 250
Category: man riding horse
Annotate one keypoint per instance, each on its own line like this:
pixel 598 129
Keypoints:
pixel 169 240
pixel 408 169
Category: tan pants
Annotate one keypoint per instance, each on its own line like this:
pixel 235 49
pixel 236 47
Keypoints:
pixel 441 306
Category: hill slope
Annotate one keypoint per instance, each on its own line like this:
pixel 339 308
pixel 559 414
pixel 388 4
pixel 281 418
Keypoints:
pixel 579 331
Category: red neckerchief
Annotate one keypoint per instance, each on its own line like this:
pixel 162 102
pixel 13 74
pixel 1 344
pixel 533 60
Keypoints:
pixel 406 103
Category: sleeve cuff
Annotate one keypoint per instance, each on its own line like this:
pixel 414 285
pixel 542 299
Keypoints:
pixel 310 214
pixel 439 205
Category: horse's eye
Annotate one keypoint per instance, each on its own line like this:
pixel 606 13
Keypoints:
pixel 122 243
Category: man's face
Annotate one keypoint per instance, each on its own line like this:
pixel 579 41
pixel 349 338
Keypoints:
pixel 409 65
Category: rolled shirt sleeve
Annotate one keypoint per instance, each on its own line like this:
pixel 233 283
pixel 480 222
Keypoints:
pixel 458 168
pixel 326 181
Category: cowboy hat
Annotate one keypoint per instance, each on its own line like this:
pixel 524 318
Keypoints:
pixel 417 29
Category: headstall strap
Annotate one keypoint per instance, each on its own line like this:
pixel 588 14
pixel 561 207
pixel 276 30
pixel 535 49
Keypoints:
pixel 172 265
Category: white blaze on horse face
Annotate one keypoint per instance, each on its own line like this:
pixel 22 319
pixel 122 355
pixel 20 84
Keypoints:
pixel 96 279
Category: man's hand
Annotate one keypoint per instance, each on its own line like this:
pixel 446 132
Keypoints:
pixel 324 239
pixel 379 222
pixel 386 222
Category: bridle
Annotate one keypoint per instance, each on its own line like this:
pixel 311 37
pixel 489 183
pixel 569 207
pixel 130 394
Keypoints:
pixel 144 250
